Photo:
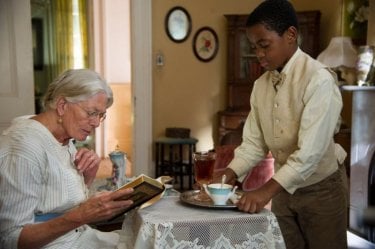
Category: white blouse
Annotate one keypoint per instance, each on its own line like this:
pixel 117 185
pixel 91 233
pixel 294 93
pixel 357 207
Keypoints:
pixel 38 176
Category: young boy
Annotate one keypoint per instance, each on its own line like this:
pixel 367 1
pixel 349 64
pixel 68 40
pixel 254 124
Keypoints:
pixel 295 108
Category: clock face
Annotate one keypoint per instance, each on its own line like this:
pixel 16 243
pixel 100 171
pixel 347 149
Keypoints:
pixel 178 24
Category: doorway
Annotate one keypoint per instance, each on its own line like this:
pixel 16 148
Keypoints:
pixel 76 34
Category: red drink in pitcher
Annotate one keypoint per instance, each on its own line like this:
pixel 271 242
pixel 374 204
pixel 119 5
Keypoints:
pixel 204 170
pixel 204 163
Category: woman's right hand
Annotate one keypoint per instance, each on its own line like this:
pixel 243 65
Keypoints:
pixel 99 207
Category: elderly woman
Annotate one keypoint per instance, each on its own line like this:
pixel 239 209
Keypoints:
pixel 44 179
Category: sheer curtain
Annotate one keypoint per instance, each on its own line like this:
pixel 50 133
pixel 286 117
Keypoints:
pixel 68 36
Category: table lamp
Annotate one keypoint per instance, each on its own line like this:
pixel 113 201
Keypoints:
pixel 341 56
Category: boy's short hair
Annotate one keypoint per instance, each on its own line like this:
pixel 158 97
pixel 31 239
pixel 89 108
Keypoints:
pixel 276 15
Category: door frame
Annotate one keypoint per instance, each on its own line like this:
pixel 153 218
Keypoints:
pixel 141 70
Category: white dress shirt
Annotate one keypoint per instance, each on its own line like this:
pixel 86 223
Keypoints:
pixel 294 116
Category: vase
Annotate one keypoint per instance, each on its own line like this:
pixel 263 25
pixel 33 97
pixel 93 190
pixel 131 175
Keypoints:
pixel 118 159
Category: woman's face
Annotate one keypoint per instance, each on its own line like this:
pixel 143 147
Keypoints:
pixel 272 50
pixel 83 117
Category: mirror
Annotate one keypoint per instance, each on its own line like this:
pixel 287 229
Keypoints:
pixel 178 24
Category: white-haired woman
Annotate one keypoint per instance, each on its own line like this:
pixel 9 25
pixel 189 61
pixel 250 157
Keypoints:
pixel 44 179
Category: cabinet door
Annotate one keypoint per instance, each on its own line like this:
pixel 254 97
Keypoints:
pixel 243 67
pixel 242 63
pixel 309 23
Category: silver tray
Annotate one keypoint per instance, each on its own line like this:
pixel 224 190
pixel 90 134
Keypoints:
pixel 188 197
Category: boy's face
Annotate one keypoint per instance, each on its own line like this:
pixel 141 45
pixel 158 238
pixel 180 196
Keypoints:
pixel 272 50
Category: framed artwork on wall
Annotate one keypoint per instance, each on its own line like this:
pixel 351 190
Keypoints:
pixel 355 20
pixel 205 44
pixel 178 24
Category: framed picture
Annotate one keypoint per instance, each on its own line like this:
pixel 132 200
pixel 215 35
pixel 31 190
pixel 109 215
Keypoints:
pixel 178 24
pixel 205 44
pixel 37 36
pixel 355 20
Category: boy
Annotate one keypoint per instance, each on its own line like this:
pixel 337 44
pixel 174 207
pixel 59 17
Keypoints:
pixel 295 108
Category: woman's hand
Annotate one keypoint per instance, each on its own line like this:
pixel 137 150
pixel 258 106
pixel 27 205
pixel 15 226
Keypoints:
pixel 87 163
pixel 97 208
pixel 101 206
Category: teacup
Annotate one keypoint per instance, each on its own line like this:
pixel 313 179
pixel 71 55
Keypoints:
pixel 219 193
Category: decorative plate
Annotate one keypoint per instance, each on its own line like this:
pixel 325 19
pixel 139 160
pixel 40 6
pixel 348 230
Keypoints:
pixel 205 44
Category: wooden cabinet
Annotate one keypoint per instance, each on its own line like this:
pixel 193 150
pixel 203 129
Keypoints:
pixel 243 68
pixel 309 26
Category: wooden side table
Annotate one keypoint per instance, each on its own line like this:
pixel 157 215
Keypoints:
pixel 171 159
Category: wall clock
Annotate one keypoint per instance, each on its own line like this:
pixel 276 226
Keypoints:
pixel 178 24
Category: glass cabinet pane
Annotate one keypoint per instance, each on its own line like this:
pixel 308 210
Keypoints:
pixel 245 53
pixel 250 69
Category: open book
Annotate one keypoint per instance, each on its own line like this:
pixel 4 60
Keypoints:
pixel 146 191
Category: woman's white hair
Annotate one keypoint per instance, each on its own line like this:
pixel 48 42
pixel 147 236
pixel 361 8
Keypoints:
pixel 76 85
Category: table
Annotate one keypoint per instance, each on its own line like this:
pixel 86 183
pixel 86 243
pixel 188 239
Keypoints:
pixel 172 224
pixel 169 158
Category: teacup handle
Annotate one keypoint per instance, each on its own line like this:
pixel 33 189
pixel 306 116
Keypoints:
pixel 205 189
pixel 233 196
pixel 234 190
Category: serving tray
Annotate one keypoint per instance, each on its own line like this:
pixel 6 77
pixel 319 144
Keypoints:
pixel 188 197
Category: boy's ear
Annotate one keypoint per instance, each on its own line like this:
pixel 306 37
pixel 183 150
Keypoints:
pixel 292 34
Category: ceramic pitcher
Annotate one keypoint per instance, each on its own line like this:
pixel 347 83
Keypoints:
pixel 118 159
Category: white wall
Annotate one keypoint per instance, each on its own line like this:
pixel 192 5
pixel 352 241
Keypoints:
pixel 111 50
pixel 117 40
pixel 114 20
pixel 16 61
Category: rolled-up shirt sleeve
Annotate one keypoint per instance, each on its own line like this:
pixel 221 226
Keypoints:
pixel 253 147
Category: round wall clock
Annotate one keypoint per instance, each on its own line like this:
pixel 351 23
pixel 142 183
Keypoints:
pixel 178 24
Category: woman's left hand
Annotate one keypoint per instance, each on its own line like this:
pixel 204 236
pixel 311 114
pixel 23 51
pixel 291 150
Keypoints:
pixel 87 163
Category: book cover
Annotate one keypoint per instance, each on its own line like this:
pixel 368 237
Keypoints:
pixel 145 189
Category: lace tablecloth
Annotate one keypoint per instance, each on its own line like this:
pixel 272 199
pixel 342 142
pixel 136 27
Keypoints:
pixel 172 224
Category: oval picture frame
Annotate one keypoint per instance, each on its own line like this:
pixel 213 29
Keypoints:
pixel 178 24
pixel 205 44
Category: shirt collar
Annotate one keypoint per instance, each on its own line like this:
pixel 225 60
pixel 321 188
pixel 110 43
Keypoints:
pixel 278 78
pixel 290 62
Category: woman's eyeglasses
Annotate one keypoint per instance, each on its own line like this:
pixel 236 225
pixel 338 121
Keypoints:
pixel 93 115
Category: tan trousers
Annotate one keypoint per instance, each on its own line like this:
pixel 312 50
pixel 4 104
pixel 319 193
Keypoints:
pixel 315 217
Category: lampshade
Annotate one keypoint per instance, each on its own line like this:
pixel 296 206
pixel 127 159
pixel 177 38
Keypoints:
pixel 340 52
